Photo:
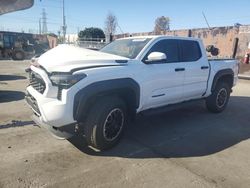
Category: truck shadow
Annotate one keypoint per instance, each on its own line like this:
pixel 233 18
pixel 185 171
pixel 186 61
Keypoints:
pixel 17 123
pixel 188 132
pixel 9 96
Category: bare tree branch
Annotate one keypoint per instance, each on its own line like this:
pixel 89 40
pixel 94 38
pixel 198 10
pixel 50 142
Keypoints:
pixel 110 24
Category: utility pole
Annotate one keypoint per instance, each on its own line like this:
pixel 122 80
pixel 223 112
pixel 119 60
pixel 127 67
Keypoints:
pixel 40 27
pixel 64 27
pixel 44 18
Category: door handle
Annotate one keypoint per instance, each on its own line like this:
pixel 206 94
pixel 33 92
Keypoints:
pixel 204 67
pixel 179 69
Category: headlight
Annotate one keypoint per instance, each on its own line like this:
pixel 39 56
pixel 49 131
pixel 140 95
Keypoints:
pixel 66 80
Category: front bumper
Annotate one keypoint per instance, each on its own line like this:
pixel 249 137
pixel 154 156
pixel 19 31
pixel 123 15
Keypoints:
pixel 50 110
pixel 63 132
pixel 42 97
pixel 56 115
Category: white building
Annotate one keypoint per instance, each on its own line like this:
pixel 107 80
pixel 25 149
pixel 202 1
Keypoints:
pixel 71 38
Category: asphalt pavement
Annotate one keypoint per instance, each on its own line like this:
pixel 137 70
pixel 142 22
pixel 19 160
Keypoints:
pixel 185 147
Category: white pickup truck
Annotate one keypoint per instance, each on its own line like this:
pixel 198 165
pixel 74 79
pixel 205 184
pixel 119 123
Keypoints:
pixel 94 93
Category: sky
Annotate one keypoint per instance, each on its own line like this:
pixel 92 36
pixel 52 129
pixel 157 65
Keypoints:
pixel 132 15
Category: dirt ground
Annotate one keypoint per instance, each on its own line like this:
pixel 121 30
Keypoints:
pixel 187 147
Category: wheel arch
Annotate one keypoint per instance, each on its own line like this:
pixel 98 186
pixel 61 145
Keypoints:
pixel 125 88
pixel 226 75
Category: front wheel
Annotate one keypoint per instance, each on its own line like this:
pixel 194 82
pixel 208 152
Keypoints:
pixel 218 100
pixel 105 122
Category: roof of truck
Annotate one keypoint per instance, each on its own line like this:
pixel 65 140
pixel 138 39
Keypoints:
pixel 160 36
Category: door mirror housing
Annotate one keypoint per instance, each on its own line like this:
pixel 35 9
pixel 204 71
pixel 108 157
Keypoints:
pixel 156 57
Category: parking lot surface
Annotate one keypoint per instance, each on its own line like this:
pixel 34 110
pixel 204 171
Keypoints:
pixel 186 147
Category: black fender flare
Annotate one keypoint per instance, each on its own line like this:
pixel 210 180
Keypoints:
pixel 221 73
pixel 126 87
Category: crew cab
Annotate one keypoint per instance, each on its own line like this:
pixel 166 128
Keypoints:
pixel 94 93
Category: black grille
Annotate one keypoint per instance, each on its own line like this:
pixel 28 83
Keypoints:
pixel 32 102
pixel 37 82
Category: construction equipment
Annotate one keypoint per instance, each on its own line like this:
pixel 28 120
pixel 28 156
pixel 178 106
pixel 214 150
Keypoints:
pixel 20 46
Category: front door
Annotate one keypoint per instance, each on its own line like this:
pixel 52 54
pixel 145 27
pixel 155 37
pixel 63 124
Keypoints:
pixel 162 82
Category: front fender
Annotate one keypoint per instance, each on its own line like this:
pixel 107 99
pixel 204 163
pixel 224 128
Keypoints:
pixel 86 97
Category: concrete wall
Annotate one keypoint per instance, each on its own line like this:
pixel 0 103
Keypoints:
pixel 221 37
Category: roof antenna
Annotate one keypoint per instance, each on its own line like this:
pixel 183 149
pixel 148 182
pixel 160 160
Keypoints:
pixel 206 20
pixel 120 28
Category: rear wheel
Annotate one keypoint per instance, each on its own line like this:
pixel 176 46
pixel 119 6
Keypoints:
pixel 218 100
pixel 105 122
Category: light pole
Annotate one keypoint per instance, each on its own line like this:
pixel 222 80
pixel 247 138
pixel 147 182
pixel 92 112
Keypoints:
pixel 64 27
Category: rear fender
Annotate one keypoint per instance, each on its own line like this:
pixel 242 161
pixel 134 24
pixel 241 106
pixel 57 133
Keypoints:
pixel 220 74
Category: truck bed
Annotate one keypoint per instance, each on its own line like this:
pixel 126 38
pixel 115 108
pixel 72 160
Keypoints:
pixel 220 59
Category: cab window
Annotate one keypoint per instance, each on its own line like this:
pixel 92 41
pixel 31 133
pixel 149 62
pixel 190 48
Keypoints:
pixel 169 47
pixel 190 50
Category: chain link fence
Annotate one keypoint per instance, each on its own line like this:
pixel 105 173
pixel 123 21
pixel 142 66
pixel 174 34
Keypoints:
pixel 93 43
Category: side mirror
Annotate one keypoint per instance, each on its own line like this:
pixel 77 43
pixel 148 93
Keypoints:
pixel 156 56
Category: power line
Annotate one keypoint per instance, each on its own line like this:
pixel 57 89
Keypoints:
pixel 49 6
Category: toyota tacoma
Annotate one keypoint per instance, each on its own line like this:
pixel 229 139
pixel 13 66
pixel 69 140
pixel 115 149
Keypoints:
pixel 94 93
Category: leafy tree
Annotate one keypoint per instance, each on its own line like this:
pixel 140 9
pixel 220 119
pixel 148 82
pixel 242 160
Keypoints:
pixel 110 24
pixel 162 24
pixel 91 34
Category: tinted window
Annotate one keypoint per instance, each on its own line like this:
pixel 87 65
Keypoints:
pixel 169 47
pixel 190 50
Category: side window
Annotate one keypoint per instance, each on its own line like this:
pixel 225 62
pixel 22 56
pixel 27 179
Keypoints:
pixel 169 47
pixel 190 50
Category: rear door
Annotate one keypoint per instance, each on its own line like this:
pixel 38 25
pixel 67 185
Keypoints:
pixel 196 69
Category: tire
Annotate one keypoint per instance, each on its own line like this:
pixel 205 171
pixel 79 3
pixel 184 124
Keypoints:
pixel 18 55
pixel 99 132
pixel 218 100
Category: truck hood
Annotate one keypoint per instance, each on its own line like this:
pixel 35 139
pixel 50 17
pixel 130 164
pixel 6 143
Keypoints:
pixel 65 58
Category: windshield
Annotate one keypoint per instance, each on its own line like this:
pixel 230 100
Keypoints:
pixel 129 48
